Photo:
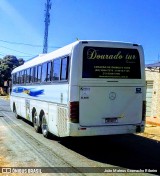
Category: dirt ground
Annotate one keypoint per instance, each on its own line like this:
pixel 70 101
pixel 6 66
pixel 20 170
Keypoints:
pixel 151 132
pixel 19 147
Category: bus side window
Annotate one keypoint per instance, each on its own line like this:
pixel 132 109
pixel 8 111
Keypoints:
pixel 39 73
pixel 64 69
pixel 24 76
pixel 56 69
pixel 17 80
pixel 31 75
pixel 44 72
pixel 23 73
pixel 35 74
pixel 27 75
pixel 14 78
pixel 20 77
pixel 49 71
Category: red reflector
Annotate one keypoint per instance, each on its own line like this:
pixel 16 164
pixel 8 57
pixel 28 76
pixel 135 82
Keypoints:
pixel 74 112
pixel 82 128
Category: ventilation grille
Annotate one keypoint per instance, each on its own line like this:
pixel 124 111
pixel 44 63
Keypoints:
pixel 62 121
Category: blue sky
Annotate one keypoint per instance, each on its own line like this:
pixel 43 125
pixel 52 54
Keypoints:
pixel 22 21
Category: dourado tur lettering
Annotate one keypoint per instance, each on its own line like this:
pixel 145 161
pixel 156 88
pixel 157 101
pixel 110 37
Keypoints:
pixel 93 54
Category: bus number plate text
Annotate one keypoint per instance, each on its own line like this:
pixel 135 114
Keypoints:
pixel 111 120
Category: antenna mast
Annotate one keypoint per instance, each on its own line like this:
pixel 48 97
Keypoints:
pixel 47 22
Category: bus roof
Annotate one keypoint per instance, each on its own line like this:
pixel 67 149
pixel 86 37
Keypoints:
pixel 46 57
pixel 64 51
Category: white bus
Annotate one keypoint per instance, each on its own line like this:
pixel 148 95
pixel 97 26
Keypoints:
pixel 86 88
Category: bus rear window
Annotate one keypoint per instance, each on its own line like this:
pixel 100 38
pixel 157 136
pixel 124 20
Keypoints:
pixel 111 63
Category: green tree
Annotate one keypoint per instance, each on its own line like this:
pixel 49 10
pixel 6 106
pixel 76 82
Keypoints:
pixel 7 64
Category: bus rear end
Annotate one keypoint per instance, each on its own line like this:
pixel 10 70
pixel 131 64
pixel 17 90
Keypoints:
pixel 108 96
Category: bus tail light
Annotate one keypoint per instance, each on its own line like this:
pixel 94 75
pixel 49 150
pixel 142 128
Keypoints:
pixel 74 112
pixel 144 111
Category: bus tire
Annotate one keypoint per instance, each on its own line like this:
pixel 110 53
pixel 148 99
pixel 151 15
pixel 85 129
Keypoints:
pixel 36 122
pixel 45 131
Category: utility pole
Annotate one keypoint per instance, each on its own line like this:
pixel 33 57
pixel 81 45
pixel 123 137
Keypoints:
pixel 47 22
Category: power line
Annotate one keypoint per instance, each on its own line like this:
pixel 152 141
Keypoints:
pixel 19 43
pixel 26 44
pixel 14 50
pixel 18 56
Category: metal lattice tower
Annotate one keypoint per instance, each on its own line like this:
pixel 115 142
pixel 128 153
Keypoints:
pixel 47 22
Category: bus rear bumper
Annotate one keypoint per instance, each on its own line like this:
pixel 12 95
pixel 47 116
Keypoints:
pixel 77 130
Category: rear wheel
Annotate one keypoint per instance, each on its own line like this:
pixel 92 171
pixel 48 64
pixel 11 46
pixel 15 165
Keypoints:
pixel 36 122
pixel 45 131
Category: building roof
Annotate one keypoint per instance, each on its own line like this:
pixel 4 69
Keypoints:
pixel 154 65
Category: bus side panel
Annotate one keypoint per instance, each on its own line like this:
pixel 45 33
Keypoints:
pixel 50 100
pixel 52 121
pixel 17 102
pixel 23 108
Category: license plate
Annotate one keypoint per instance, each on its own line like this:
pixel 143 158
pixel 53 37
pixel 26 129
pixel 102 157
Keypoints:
pixel 111 120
